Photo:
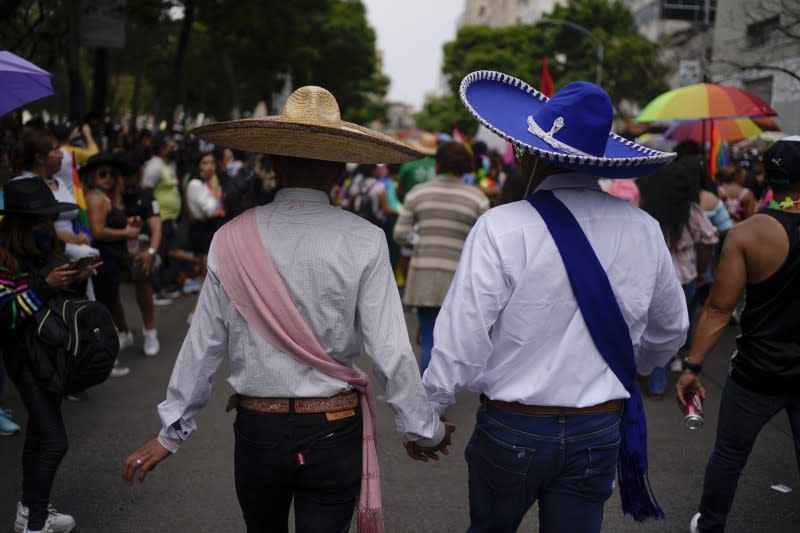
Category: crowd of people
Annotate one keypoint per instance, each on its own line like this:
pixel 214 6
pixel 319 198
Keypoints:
pixel 465 252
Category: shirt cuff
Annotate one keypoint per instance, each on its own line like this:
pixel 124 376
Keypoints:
pixel 437 437
pixel 439 408
pixel 167 443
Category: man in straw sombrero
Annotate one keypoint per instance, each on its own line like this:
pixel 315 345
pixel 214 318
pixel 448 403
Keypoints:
pixel 294 289
pixel 558 301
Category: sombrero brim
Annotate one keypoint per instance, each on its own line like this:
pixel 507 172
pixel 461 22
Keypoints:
pixel 348 143
pixel 54 209
pixel 503 103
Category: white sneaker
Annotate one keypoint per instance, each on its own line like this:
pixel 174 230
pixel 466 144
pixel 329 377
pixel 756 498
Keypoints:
pixel 693 524
pixel 125 339
pixel 151 345
pixel 55 523
pixel 119 371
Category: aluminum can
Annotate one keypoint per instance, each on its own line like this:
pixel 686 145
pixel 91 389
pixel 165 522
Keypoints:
pixel 694 413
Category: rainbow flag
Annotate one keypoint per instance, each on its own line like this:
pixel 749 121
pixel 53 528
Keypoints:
pixel 81 224
pixel 459 137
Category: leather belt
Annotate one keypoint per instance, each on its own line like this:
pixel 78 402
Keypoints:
pixel 340 402
pixel 611 406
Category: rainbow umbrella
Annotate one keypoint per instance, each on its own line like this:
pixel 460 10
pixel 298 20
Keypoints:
pixel 730 130
pixel 703 101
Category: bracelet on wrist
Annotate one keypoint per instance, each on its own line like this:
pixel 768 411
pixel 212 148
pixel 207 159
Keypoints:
pixel 694 368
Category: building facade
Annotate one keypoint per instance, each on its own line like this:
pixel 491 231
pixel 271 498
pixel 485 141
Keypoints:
pixel 757 47
pixel 501 13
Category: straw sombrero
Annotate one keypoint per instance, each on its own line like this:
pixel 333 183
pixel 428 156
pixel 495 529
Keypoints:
pixel 425 143
pixel 310 126
pixel 572 129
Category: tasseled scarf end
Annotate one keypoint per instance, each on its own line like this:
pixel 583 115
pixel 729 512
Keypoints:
pixel 370 521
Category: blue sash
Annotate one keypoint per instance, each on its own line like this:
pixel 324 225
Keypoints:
pixel 611 336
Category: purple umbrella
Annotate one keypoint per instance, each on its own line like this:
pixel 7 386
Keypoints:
pixel 21 82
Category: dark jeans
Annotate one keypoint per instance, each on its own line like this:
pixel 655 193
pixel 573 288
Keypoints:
pixel 566 462
pixel 742 414
pixel 269 473
pixel 427 320
pixel 45 446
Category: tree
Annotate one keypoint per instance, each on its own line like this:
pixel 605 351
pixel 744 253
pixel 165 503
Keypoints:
pixel 442 113
pixel 219 57
pixel 631 69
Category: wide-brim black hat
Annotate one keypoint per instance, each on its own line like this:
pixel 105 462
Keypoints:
pixel 100 160
pixel 32 196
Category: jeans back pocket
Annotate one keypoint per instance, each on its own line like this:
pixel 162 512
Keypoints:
pixel 503 466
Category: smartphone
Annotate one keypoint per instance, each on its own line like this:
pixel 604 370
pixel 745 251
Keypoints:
pixel 83 262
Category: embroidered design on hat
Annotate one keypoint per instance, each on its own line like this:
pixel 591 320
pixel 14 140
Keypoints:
pixel 547 136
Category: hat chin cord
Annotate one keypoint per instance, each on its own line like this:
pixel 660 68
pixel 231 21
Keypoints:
pixel 530 178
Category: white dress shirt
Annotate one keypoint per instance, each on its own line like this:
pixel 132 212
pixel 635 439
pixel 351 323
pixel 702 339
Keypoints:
pixel 510 326
pixel 336 268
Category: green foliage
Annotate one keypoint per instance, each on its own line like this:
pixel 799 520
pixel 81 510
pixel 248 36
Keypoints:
pixel 238 53
pixel 631 68
pixel 441 113
pixel 515 50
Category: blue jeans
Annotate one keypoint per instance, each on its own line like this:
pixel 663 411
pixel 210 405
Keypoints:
pixel 657 383
pixel 565 462
pixel 427 320
pixel 742 414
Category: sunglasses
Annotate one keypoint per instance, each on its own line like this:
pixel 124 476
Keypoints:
pixel 103 174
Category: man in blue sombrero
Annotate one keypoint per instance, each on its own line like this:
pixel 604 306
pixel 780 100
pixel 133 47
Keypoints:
pixel 558 301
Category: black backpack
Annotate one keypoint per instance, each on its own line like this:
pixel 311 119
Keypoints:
pixel 72 344
pixel 364 204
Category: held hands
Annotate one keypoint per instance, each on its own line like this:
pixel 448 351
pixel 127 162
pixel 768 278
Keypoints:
pixel 421 453
pixel 688 385
pixel 143 460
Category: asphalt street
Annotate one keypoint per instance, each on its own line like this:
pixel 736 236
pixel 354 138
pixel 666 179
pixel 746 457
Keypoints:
pixel 194 490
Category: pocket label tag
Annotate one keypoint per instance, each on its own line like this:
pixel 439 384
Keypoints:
pixel 338 415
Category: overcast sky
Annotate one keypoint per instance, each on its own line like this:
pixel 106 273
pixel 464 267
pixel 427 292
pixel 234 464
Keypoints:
pixel 411 34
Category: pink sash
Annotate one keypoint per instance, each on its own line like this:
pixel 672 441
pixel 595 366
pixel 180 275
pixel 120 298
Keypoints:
pixel 256 289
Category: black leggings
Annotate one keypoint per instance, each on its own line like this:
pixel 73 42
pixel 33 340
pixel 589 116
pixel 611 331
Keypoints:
pixel 45 446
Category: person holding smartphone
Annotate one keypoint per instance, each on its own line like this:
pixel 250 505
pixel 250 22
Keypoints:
pixel 33 270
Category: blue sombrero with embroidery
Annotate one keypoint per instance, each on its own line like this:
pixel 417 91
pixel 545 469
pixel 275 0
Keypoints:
pixel 572 129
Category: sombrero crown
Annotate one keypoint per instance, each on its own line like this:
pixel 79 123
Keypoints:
pixel 310 126
pixel 572 129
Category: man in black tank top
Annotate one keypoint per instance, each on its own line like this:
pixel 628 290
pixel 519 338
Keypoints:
pixel 762 256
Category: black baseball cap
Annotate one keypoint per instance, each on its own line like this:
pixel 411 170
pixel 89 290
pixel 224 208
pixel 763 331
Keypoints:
pixel 782 162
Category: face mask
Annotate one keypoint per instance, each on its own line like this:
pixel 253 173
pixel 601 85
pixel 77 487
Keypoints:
pixel 43 236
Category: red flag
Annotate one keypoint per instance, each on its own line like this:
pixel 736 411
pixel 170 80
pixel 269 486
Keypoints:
pixel 546 85
pixel 714 150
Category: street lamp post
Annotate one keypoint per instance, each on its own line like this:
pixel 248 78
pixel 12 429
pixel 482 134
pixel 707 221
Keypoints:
pixel 578 27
